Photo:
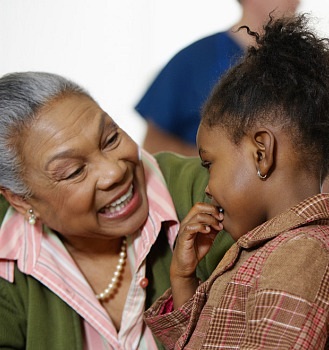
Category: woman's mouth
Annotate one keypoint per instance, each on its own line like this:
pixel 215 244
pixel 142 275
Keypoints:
pixel 118 204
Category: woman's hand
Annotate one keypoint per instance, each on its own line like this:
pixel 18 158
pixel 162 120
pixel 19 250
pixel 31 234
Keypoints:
pixel 196 235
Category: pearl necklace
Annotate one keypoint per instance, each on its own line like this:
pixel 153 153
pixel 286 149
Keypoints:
pixel 112 286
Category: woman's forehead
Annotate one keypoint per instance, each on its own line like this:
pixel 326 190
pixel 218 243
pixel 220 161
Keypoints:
pixel 67 123
pixel 71 112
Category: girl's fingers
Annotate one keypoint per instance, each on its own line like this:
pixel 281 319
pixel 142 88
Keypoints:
pixel 202 222
pixel 203 208
pixel 192 228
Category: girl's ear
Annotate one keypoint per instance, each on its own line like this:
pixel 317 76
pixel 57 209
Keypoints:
pixel 16 201
pixel 264 142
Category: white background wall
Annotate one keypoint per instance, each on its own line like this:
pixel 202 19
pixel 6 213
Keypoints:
pixel 113 47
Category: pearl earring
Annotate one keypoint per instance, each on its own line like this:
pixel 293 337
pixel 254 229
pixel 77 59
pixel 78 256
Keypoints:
pixel 32 217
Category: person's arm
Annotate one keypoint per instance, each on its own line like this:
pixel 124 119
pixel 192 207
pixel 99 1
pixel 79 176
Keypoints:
pixel 33 317
pixel 196 235
pixel 157 140
pixel 12 322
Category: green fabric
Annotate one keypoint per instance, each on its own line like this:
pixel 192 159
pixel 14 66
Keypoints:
pixel 26 305
pixel 25 323
pixel 3 207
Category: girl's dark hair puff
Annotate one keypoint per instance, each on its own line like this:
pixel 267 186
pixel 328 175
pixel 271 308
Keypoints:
pixel 283 80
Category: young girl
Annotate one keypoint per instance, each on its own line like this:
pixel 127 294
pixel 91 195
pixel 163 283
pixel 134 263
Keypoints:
pixel 264 138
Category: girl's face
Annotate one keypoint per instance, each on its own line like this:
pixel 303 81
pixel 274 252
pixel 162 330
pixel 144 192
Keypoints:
pixel 84 171
pixel 233 181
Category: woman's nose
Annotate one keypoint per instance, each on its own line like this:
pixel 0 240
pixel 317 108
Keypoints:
pixel 110 173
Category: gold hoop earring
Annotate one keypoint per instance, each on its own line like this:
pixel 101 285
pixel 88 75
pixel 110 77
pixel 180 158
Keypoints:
pixel 262 177
pixel 32 217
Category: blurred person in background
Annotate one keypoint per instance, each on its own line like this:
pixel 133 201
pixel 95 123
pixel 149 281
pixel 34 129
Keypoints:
pixel 171 105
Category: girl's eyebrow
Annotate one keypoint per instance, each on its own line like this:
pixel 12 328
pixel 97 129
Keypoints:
pixel 202 151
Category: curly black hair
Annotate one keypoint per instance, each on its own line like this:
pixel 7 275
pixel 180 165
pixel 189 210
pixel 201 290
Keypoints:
pixel 282 80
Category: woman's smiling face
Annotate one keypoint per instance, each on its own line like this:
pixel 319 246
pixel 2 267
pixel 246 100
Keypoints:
pixel 84 171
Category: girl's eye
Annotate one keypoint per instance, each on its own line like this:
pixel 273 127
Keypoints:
pixel 205 164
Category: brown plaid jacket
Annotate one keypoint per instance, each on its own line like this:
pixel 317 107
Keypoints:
pixel 270 291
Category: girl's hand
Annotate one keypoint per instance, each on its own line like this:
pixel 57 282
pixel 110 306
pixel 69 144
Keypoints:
pixel 196 235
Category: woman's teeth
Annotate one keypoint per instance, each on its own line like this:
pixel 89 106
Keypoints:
pixel 123 198
pixel 120 202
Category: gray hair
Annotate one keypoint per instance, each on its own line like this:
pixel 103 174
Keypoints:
pixel 22 95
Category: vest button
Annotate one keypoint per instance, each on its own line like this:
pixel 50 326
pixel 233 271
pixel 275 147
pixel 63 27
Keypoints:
pixel 144 282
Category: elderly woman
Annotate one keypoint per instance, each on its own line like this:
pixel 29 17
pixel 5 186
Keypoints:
pixel 86 242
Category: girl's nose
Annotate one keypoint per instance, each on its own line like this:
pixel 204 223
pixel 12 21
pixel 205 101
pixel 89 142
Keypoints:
pixel 110 173
pixel 208 192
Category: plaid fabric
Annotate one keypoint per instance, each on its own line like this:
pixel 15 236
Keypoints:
pixel 270 291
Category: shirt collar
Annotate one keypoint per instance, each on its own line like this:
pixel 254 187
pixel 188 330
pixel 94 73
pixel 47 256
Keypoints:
pixel 313 210
pixel 161 210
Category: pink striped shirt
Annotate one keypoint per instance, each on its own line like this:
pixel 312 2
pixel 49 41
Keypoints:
pixel 40 253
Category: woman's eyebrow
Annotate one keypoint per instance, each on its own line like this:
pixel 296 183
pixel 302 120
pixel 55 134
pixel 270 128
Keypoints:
pixel 69 153
pixel 102 124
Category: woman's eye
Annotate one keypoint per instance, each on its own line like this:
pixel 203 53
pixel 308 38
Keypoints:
pixel 112 139
pixel 74 174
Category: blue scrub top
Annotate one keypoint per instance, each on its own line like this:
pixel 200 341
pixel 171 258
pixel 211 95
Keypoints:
pixel 175 98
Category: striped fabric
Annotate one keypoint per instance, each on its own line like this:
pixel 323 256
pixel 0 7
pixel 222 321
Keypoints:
pixel 270 291
pixel 41 254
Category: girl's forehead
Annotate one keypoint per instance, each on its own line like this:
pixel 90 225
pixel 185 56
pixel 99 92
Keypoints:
pixel 210 139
